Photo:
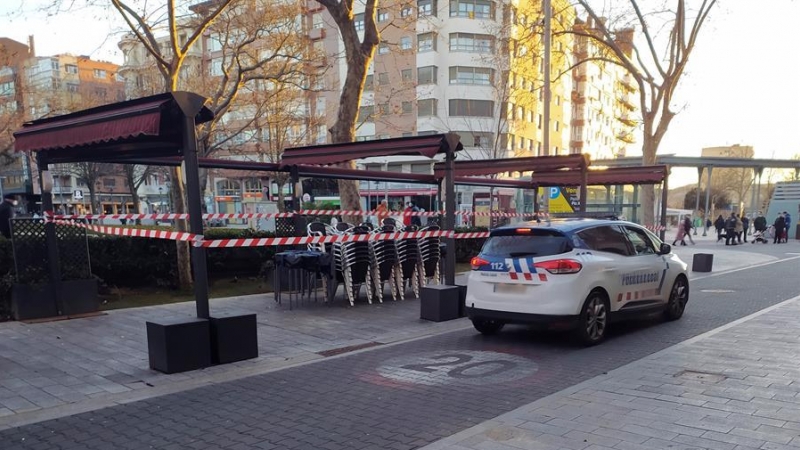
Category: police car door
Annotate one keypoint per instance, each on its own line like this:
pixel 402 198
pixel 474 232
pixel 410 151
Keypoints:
pixel 611 256
pixel 644 284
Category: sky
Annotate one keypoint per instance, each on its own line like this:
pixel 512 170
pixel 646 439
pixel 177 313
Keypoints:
pixel 742 85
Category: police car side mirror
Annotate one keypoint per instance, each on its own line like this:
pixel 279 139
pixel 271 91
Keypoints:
pixel 665 249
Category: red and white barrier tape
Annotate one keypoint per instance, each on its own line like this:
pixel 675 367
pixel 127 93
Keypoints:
pixel 472 235
pixel 261 242
pixel 305 212
pixel 135 232
pixel 655 227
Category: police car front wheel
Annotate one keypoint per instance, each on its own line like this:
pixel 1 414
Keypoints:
pixel 487 326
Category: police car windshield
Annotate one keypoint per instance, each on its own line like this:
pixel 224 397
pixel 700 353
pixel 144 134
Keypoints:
pixel 530 242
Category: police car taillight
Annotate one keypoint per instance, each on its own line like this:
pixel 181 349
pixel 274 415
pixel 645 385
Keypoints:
pixel 478 262
pixel 560 266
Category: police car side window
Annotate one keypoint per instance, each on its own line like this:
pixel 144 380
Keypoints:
pixel 641 243
pixel 606 239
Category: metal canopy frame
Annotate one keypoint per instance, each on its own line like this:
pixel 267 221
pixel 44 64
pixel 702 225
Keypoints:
pixel 156 128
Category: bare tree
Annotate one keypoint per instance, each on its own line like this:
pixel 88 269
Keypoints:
pixel 135 175
pixel 657 72
pixel 359 53
pixel 185 26
pixel 90 174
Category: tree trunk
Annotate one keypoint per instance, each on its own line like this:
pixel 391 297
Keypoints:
pixel 178 197
pixel 93 199
pixel 648 194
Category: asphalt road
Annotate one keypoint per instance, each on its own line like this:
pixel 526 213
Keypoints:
pixel 403 396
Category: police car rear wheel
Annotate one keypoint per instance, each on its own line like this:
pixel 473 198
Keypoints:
pixel 487 326
pixel 678 297
pixel 593 319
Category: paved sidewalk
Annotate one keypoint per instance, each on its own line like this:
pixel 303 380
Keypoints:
pixel 59 368
pixel 734 388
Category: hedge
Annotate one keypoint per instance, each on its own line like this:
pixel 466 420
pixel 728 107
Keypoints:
pixel 138 262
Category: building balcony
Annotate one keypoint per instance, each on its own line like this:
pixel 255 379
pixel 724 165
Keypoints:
pixel 627 100
pixel 628 119
pixel 312 6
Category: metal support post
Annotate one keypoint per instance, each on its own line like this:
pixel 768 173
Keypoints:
pixel 50 238
pixel 198 254
pixel 758 189
pixel 697 196
pixel 635 201
pixel 664 196
pixel 708 197
pixel 450 207
pixel 753 193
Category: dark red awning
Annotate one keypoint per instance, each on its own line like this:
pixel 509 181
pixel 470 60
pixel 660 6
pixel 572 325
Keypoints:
pixel 490 182
pixel 603 177
pixel 96 127
pixel 481 167
pixel 338 153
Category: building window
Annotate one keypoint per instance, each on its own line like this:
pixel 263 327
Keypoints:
pixel 407 75
pixel 99 73
pixel 358 20
pixel 368 83
pixel 405 43
pixel 383 49
pixel 407 107
pixel 472 9
pixel 426 75
pixel 216 67
pixel 109 182
pixel 100 93
pixel 471 75
pixel 406 11
pixel 383 78
pixel 7 88
pixel 427 7
pixel 383 16
pixel 317 21
pixel 71 68
pixel 468 42
pixel 539 122
pixel 471 108
pixel 557 125
pixel 54 64
pixel 427 107
pixel 365 113
pixel 426 42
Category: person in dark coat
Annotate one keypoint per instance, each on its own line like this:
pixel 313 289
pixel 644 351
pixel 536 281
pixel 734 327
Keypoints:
pixel 719 224
pixel 730 229
pixel 745 225
pixel 780 226
pixel 7 213
pixel 760 223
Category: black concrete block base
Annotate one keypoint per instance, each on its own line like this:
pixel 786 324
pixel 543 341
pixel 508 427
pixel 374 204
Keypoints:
pixel 702 262
pixel 33 301
pixel 80 296
pixel 179 345
pixel 233 338
pixel 439 303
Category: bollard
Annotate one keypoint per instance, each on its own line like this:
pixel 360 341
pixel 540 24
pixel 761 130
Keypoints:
pixel 702 262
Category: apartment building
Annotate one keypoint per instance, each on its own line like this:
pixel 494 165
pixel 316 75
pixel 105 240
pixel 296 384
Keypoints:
pixel 475 67
pixel 33 87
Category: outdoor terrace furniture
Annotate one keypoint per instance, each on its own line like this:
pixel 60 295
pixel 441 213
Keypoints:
pixel 297 273
pixel 386 264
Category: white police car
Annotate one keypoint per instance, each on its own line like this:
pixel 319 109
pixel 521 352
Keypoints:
pixel 576 273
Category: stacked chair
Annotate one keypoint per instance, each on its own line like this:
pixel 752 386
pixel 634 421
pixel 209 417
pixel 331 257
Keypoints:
pixel 411 270
pixel 386 265
pixel 430 251
pixel 353 262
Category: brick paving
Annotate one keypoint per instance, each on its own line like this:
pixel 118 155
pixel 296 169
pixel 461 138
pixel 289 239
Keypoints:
pixel 344 403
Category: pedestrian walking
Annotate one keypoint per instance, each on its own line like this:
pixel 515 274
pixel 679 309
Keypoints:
pixel 680 234
pixel 788 226
pixel 730 230
pixel 739 228
pixel 719 224
pixel 7 213
pixel 687 228
pixel 779 224
pixel 746 225
pixel 760 223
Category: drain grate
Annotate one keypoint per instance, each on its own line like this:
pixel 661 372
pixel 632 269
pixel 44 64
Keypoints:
pixel 351 348
pixel 708 377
